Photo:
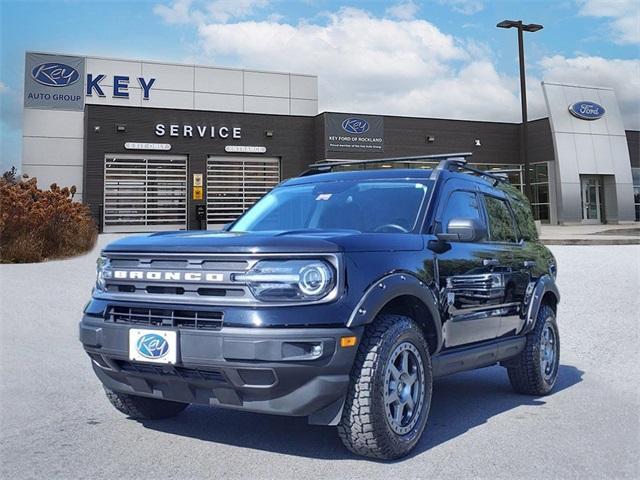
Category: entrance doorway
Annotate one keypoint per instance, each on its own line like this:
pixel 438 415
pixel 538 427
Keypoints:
pixel 592 196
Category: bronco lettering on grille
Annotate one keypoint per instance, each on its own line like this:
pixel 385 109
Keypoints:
pixel 168 276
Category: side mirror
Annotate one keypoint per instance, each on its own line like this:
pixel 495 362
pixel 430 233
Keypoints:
pixel 463 230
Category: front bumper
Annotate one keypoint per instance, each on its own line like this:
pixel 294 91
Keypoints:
pixel 263 370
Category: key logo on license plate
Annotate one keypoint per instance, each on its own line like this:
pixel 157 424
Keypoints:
pixel 152 346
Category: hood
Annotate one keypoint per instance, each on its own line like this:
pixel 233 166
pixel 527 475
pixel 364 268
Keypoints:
pixel 295 241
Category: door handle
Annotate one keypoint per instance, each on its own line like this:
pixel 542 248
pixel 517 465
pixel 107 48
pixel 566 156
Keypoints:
pixel 490 262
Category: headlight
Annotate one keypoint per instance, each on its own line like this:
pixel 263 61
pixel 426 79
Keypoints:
pixel 290 280
pixel 103 273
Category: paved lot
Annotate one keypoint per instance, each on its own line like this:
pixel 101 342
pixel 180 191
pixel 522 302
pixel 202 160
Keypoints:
pixel 56 423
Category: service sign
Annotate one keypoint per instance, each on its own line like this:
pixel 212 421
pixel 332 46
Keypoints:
pixel 54 82
pixel 354 133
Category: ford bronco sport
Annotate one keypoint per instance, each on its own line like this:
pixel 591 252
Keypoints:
pixel 339 296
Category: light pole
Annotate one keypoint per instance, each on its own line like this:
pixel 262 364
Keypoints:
pixel 524 154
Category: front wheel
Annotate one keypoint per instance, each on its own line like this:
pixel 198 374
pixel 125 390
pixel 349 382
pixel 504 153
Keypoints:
pixel 390 392
pixel 535 370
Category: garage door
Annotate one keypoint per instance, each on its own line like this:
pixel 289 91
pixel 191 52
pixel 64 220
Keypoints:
pixel 236 183
pixel 145 193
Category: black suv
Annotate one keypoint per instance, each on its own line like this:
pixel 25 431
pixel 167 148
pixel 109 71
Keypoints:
pixel 339 297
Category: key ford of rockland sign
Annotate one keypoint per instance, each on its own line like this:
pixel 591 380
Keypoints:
pixel 58 82
pixel 347 133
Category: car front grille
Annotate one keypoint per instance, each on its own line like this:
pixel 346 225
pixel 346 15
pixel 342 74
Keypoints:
pixel 160 317
pixel 165 278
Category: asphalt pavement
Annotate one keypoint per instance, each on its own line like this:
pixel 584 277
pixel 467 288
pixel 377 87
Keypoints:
pixel 55 421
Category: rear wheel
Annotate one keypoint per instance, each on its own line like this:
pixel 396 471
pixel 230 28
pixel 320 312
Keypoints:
pixel 390 392
pixel 535 370
pixel 143 408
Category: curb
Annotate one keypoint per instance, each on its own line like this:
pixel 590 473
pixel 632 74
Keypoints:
pixel 598 241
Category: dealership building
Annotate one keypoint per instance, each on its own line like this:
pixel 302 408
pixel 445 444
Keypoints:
pixel 158 146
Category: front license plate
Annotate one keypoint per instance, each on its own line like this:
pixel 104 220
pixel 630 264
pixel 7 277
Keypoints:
pixel 155 346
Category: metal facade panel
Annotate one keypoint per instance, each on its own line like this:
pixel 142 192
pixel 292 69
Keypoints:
pixel 52 123
pixel 266 84
pixel 218 80
pixel 273 105
pixel 51 151
pixel 304 87
pixel 218 102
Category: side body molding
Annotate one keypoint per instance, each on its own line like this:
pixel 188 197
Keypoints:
pixel 533 299
pixel 386 289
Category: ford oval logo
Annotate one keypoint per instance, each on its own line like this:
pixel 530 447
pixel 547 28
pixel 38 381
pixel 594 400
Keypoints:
pixel 586 110
pixel 55 74
pixel 152 345
pixel 357 126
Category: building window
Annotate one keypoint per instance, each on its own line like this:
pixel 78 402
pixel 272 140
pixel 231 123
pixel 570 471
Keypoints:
pixel 635 172
pixel 539 176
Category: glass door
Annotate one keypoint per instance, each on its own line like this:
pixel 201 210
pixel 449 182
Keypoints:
pixel 590 199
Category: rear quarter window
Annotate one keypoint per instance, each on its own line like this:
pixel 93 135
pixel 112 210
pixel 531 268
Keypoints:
pixel 522 212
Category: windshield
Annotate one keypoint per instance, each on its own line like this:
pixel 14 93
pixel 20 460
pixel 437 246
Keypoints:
pixel 378 206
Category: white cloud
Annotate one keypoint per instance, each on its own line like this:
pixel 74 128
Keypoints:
pixel 622 75
pixel 624 15
pixel 178 12
pixel 371 64
pixel 224 10
pixel 190 11
pixel 3 88
pixel 403 11
pixel 466 7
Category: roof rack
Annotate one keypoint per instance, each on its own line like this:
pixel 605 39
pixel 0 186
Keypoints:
pixel 327 166
pixel 448 161
pixel 453 164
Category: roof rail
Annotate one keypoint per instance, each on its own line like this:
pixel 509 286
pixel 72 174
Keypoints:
pixel 327 166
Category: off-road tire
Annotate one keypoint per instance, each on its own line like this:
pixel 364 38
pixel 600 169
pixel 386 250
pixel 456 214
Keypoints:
pixel 364 428
pixel 525 373
pixel 143 408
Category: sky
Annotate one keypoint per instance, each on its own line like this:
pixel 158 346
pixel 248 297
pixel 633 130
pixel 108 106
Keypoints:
pixel 430 58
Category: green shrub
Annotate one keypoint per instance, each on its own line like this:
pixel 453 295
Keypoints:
pixel 37 225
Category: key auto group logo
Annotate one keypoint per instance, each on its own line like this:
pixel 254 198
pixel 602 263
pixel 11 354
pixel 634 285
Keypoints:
pixel 355 126
pixel 55 74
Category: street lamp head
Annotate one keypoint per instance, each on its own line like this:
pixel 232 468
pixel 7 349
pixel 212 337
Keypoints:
pixel 532 27
pixel 507 24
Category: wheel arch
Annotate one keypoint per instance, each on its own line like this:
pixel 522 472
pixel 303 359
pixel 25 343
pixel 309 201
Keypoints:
pixel 545 292
pixel 402 294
